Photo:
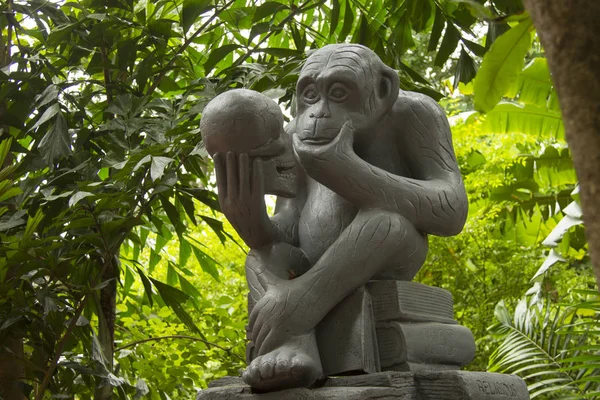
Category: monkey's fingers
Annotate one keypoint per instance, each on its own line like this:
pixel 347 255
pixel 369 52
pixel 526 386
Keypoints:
pixel 220 171
pixel 232 178
pixel 258 177
pixel 244 166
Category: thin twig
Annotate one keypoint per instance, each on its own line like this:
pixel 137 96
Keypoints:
pixel 301 8
pixel 186 337
pixel 185 46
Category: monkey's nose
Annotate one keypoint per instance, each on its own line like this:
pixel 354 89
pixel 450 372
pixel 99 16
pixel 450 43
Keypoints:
pixel 320 115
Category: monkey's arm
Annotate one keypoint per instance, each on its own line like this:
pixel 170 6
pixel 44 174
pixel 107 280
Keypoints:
pixel 285 221
pixel 434 200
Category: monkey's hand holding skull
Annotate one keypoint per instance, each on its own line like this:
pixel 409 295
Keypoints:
pixel 241 186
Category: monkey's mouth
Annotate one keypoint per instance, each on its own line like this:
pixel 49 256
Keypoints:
pixel 316 140
pixel 286 170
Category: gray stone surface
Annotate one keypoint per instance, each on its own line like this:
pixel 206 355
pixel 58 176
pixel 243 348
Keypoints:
pixel 325 393
pixel 384 385
pixel 410 301
pixel 467 385
pixel 346 337
pixel 440 385
pixel 363 173
pixel 424 343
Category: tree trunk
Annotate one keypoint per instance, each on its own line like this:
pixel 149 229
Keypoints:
pixel 11 369
pixel 106 327
pixel 568 30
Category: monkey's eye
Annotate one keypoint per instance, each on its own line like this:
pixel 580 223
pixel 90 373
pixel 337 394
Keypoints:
pixel 310 94
pixel 338 92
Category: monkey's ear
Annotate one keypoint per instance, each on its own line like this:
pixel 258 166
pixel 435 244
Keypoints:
pixel 389 85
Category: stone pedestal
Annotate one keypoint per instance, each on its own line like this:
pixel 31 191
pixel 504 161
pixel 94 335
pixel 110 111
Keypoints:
pixel 439 385
pixel 390 340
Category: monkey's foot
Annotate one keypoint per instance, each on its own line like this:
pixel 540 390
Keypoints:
pixel 294 364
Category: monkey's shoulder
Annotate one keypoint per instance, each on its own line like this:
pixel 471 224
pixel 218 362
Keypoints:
pixel 417 105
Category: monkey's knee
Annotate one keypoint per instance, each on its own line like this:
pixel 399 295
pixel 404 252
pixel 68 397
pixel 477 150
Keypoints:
pixel 404 248
pixel 382 228
pixel 280 261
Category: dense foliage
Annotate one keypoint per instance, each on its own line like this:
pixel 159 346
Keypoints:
pixel 117 272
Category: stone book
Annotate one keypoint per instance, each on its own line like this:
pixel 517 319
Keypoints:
pixel 423 343
pixel 410 301
pixel 347 338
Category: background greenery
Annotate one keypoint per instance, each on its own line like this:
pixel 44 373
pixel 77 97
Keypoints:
pixel 109 225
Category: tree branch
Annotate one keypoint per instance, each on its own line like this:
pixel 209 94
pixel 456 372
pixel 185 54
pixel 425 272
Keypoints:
pixel 186 337
pixel 41 390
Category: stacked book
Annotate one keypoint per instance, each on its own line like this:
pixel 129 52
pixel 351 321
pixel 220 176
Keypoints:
pixel 394 326
pixel 415 328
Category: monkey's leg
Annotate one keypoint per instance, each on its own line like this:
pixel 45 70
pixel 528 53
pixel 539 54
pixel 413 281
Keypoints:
pixel 284 320
pixel 273 265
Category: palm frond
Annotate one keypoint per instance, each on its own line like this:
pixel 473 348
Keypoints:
pixel 553 348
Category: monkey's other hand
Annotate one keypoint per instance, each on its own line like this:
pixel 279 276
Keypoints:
pixel 323 161
pixel 242 197
pixel 277 316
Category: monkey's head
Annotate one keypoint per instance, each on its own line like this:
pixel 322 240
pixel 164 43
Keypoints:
pixel 340 83
pixel 246 121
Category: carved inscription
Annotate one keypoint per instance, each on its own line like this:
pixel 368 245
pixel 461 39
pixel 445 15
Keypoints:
pixel 440 342
pixel 497 388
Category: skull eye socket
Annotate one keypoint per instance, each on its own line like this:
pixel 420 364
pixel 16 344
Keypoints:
pixel 338 92
pixel 310 94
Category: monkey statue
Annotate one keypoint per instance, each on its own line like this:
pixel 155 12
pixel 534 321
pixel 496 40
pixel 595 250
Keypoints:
pixel 378 175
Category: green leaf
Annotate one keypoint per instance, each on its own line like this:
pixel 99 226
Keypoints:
pixel 6 192
pixel 216 226
pixel 204 196
pixel 48 95
pixel 171 275
pixel 78 196
pixel 56 142
pixel 185 251
pixel 147 285
pixel 335 16
pixel 189 288
pixel 421 13
pixel 129 280
pixel 188 206
pixel 158 165
pixel 258 29
pixel 208 264
pixel 449 43
pixel 528 119
pixel 267 9
pixel 175 299
pixel 4 149
pixel 501 65
pixel 436 30
pixel 348 22
pixel 477 49
pixel 192 10
pixel 218 54
pixel 465 69
pixel 46 116
pixel 33 222
pixel 280 52
pixel 172 214
pixel 154 260
pixel 534 84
